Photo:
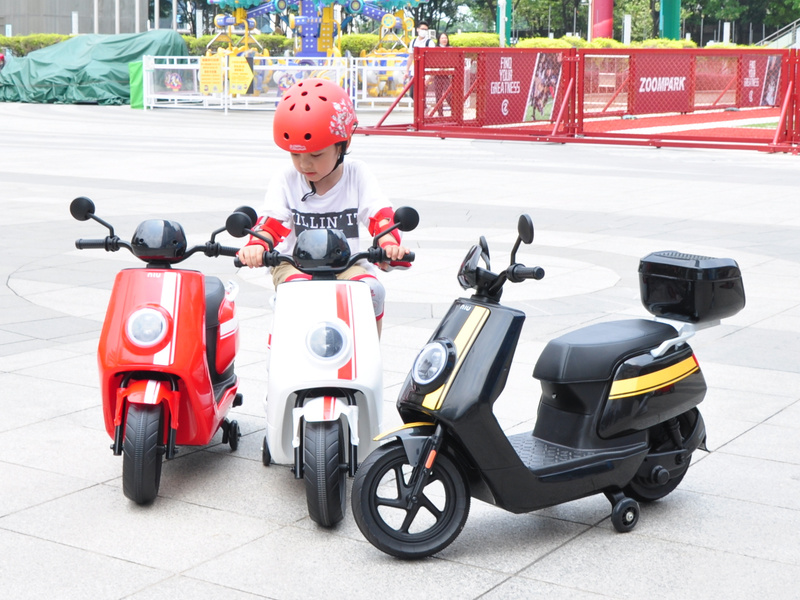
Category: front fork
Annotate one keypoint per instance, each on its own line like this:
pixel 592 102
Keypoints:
pixel 147 391
pixel 424 469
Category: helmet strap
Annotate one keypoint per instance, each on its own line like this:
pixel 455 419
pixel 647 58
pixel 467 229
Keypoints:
pixel 342 148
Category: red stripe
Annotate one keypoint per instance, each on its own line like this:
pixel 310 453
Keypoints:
pixel 327 411
pixel 344 312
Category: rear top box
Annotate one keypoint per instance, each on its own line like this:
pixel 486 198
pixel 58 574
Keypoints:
pixel 690 288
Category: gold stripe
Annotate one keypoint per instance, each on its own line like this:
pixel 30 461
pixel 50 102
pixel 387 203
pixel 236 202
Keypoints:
pixel 406 426
pixel 624 388
pixel 463 342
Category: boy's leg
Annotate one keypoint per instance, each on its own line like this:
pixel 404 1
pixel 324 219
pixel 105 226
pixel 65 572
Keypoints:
pixel 376 289
pixel 286 272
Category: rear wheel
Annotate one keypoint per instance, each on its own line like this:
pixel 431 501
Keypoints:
pixel 650 488
pixel 391 521
pixel 142 450
pixel 324 472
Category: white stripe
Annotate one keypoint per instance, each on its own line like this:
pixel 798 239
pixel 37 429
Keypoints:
pixel 170 296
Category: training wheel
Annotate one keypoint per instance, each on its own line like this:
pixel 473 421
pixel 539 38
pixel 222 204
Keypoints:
pixel 266 457
pixel 625 515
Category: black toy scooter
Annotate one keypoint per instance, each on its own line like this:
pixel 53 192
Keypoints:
pixel 617 414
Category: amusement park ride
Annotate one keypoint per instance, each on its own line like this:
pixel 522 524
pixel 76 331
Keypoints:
pixel 316 26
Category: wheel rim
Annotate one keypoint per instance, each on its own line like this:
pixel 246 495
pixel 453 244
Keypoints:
pixel 388 503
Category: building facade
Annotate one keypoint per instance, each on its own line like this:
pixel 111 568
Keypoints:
pixel 26 17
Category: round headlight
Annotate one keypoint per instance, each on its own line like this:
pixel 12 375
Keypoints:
pixel 327 341
pixel 433 365
pixel 146 327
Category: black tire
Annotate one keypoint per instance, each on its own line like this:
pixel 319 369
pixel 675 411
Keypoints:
pixel 644 490
pixel 234 433
pixel 266 456
pixel 324 474
pixel 142 451
pixel 388 523
pixel 625 515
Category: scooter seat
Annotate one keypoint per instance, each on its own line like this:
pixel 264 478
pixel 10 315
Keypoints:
pixel 591 353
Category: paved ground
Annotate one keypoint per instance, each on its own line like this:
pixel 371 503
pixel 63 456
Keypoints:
pixel 226 526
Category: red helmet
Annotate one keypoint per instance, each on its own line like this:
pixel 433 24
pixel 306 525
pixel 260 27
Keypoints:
pixel 312 115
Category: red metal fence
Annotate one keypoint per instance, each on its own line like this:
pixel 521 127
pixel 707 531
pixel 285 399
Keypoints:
pixel 738 98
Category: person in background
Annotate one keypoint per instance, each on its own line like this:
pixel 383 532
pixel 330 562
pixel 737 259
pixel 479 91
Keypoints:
pixel 422 40
pixel 440 81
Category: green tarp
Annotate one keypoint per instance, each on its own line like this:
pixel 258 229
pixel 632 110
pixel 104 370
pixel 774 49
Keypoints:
pixel 84 69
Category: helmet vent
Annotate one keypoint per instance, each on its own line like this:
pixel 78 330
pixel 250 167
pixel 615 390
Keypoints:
pixel 307 136
pixel 308 107
pixel 323 98
pixel 292 107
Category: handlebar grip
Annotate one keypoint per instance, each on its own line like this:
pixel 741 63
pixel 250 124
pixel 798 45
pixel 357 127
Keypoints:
pixel 518 273
pixel 84 244
pixel 228 251
pixel 237 263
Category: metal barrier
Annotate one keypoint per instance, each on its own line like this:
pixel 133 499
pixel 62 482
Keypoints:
pixel 741 98
pixel 247 83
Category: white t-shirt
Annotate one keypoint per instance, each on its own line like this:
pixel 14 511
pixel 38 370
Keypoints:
pixel 354 199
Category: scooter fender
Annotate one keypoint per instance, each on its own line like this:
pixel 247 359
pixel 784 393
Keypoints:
pixel 413 436
pixel 322 409
pixel 148 391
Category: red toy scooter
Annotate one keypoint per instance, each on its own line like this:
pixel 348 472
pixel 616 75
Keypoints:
pixel 166 351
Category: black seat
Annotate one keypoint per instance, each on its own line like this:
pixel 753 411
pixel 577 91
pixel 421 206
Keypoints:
pixel 215 293
pixel 591 353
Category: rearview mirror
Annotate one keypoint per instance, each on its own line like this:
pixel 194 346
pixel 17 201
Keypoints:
pixel 525 229
pixel 238 223
pixel 81 208
pixel 406 218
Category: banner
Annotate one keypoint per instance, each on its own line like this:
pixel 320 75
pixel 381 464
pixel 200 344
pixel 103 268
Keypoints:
pixel 760 80
pixel 519 86
pixel 661 83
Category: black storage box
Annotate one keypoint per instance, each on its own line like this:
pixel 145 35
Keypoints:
pixel 690 288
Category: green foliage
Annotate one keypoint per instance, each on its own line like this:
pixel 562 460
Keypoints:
pixel 575 42
pixel 542 42
pixel 356 42
pixel 275 44
pixel 475 40
pixel 664 43
pixel 21 45
pixel 605 43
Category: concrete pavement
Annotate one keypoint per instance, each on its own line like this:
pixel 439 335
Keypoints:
pixel 226 526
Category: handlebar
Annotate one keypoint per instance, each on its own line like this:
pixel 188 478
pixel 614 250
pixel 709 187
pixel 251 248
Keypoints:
pixel 85 244
pixel 518 273
pixel 273 258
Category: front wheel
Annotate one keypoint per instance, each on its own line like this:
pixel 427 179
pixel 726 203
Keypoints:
pixel 142 450
pixel 396 524
pixel 324 472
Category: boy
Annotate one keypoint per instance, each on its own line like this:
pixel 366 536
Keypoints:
pixel 314 122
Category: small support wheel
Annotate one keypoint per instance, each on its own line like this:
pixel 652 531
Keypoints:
pixel 625 515
pixel 233 435
pixel 266 457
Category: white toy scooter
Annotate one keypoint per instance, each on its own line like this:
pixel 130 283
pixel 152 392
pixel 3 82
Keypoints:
pixel 325 391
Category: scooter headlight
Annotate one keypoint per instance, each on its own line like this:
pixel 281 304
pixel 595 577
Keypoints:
pixel 327 341
pixel 433 365
pixel 146 327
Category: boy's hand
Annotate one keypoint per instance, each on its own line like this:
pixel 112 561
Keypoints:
pixel 395 252
pixel 252 255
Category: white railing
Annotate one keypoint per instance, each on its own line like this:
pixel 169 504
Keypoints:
pixel 177 81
